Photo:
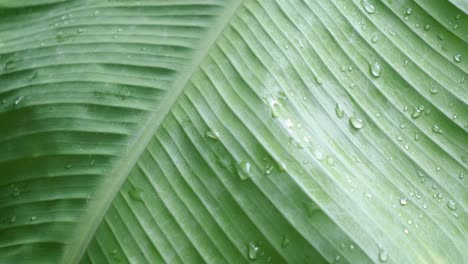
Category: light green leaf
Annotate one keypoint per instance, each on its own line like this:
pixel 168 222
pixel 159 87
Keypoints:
pixel 214 131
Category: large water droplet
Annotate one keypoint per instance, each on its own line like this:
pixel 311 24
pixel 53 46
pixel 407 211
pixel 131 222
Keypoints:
pixel 273 108
pixel 452 205
pixel 33 218
pixel 339 111
pixel 356 122
pixel 245 170
pixel 383 255
pixel 457 57
pixel 253 251
pixel 285 242
pixel 409 11
pixel 375 69
pixel 403 201
pixel 212 134
pixel 136 194
pixel 370 8
pixel 436 129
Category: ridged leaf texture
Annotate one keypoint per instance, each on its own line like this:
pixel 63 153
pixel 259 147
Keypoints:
pixel 228 131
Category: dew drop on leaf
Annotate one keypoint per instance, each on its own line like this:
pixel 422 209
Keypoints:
pixel 457 57
pixel 33 218
pixel 375 69
pixel 253 251
pixel 12 219
pixel 375 39
pixel 403 201
pixel 330 160
pixel 427 27
pixel 370 8
pixel 339 111
pixel 356 122
pixel 452 205
pixel 136 194
pixel 245 170
pixel 212 134
pixel 383 255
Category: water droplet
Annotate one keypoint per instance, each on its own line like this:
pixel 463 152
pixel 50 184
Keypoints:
pixel 378 114
pixel 416 136
pixel 368 6
pixel 368 195
pixel 461 176
pixel 212 134
pixel 351 246
pixel 457 57
pixel 406 231
pixel 273 107
pixel 33 218
pixel 343 68
pixel 356 122
pixel 440 36
pixel 330 160
pixel 92 162
pixel 383 255
pixel 337 258
pixel 405 63
pixel 81 30
pixel 375 69
pixel 339 111
pixel 18 100
pixel 268 169
pixel 281 166
pixel 399 138
pixel 245 170
pixel 253 251
pixel 452 205
pixel 375 39
pixel 427 27
pixel 416 113
pixel 136 194
pixel 12 219
pixel 436 129
pixel 425 206
pixel 409 11
pixel 285 242
pixel 403 201
pixel 68 166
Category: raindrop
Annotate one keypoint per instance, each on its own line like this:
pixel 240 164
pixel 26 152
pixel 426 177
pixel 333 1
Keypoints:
pixel 339 111
pixel 281 166
pixel 457 57
pixel 285 242
pixel 212 134
pixel 417 113
pixel 330 160
pixel 461 176
pixel 378 114
pixel 273 106
pixel 33 218
pixel 433 90
pixel 440 36
pixel 253 251
pixel 409 11
pixel 81 30
pixel 383 255
pixel 343 68
pixel 436 129
pixel 399 138
pixel 12 219
pixel 375 39
pixel 368 195
pixel 337 258
pixel 375 69
pixel 356 122
pixel 368 6
pixel 136 194
pixel 452 205
pixel 427 27
pixel 406 231
pixel 68 166
pixel 403 201
pixel 268 169
pixel 245 170
pixel 18 100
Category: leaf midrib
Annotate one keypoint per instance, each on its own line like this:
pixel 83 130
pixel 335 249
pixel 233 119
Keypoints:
pixel 90 221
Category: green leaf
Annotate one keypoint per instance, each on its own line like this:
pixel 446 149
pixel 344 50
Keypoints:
pixel 233 131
